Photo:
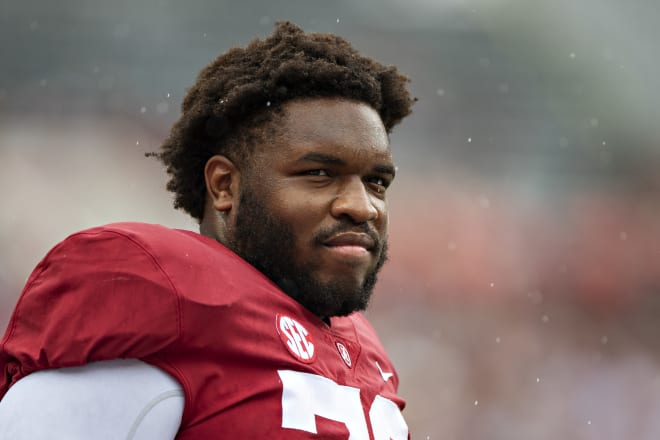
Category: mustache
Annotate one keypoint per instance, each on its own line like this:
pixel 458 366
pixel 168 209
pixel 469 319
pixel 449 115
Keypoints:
pixel 364 228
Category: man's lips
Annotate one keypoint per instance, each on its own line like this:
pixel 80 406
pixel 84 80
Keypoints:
pixel 351 242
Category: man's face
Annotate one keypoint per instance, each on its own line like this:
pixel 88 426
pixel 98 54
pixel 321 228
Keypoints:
pixel 312 212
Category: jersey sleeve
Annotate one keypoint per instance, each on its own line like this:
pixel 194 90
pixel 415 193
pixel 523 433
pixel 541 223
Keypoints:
pixel 98 295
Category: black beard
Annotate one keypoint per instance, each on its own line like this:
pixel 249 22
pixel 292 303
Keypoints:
pixel 268 245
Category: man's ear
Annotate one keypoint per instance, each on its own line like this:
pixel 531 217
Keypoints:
pixel 222 180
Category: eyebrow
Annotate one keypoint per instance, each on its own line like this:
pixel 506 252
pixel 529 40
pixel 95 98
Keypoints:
pixel 322 158
pixel 333 160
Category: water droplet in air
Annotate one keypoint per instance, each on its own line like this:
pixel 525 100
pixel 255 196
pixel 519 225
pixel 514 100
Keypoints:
pixel 440 92
pixel 268 104
pixel 143 109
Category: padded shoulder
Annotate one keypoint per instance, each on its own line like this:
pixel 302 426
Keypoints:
pixel 125 290
pixel 99 294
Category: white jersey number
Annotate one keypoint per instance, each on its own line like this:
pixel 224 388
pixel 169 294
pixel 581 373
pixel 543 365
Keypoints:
pixel 307 395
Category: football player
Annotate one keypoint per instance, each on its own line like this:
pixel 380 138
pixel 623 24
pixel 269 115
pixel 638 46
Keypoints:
pixel 252 327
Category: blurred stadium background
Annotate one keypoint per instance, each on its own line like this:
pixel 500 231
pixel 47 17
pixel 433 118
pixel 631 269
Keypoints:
pixel 521 300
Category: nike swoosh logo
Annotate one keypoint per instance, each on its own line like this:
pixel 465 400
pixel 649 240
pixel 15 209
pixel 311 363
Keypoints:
pixel 384 375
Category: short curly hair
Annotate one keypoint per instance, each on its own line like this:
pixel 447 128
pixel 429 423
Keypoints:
pixel 234 98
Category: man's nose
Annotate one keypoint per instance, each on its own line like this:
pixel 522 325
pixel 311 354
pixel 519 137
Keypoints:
pixel 354 201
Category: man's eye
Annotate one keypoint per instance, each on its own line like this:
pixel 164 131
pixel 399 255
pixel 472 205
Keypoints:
pixel 322 173
pixel 378 183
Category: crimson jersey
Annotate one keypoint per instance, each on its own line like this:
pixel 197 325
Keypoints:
pixel 253 363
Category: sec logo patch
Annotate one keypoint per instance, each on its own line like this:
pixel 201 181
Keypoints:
pixel 296 338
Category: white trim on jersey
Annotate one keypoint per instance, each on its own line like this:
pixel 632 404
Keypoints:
pixel 113 400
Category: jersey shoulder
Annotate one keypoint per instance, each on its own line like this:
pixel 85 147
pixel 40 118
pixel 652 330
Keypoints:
pixel 193 263
pixel 108 292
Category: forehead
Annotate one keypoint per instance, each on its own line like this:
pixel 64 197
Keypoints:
pixel 339 125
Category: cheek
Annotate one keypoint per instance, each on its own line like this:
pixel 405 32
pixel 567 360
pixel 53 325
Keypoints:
pixel 302 212
pixel 292 198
